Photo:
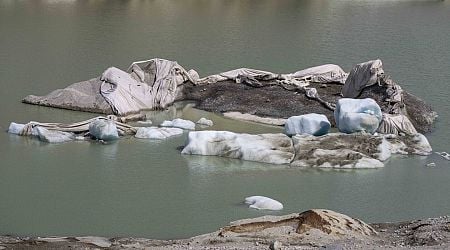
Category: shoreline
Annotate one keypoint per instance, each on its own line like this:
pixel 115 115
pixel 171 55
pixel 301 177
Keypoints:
pixel 272 232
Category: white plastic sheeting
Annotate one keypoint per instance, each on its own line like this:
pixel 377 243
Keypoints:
pixel 396 124
pixel 361 76
pixel 321 74
pixel 146 85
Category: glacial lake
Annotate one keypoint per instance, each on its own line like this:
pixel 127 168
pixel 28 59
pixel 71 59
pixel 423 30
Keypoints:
pixel 146 188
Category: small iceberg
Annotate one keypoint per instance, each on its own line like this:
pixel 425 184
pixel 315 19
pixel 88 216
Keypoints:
pixel 179 123
pixel 263 203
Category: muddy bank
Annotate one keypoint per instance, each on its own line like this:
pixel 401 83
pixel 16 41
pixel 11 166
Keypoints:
pixel 311 229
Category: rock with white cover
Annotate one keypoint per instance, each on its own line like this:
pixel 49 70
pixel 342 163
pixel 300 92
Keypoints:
pixel 157 133
pixel 205 122
pixel 268 148
pixel 313 124
pixel 15 128
pixel 362 75
pixel 262 202
pixel 179 123
pixel 357 115
pixel 103 129
pixel 53 136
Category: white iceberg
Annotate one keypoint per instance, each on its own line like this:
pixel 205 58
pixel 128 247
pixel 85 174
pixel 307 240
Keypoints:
pixel 357 115
pixel 157 133
pixel 15 128
pixel 53 136
pixel 262 202
pixel 312 124
pixel 205 122
pixel 103 129
pixel 268 148
pixel 179 123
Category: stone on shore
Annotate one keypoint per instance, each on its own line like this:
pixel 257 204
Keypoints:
pixel 312 124
pixel 267 148
pixel 105 130
pixel 157 133
pixel 53 136
pixel 205 122
pixel 357 115
pixel 179 123
pixel 263 203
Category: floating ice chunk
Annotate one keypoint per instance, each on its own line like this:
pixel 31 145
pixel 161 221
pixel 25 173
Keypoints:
pixel 205 122
pixel 313 124
pixel 53 136
pixel 262 202
pixel 103 130
pixel 146 122
pixel 179 123
pixel 268 148
pixel 356 115
pixel 15 128
pixel 444 154
pixel 157 133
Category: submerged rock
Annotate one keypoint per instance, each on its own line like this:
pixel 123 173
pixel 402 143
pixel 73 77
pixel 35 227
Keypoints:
pixel 179 123
pixel 313 124
pixel 263 203
pixel 268 148
pixel 357 115
pixel 103 129
pixel 157 133
pixel 53 136
pixel 205 122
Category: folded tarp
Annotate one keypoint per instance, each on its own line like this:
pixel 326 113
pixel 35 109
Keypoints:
pixel 362 75
pixel 319 74
pixel 147 85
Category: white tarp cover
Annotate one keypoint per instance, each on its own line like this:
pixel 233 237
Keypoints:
pixel 321 74
pixel 361 76
pixel 396 124
pixel 146 85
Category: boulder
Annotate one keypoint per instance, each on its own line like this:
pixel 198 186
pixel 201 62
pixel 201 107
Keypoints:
pixel 53 136
pixel 263 203
pixel 268 148
pixel 357 115
pixel 205 122
pixel 313 124
pixel 157 133
pixel 179 123
pixel 103 129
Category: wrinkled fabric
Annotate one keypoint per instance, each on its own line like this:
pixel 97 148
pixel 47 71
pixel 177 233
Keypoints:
pixel 361 76
pixel 396 124
pixel 146 85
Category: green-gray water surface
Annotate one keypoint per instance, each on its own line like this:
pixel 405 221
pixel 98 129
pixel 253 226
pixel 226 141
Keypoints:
pixel 147 188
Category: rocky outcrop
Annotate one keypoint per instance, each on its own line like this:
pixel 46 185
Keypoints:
pixel 267 148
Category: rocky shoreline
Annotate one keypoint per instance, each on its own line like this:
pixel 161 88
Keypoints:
pixel 311 229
